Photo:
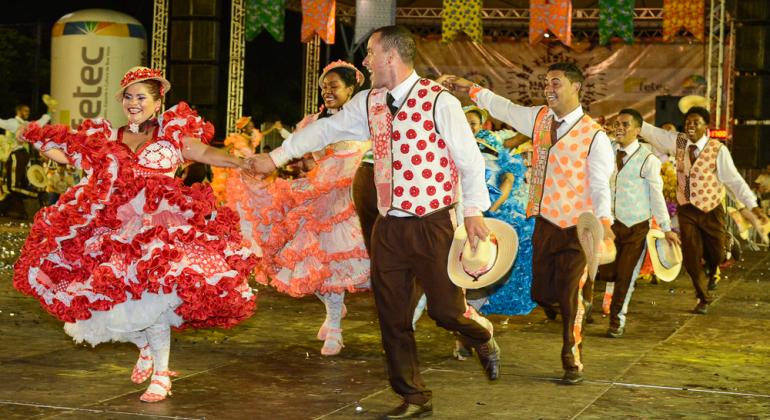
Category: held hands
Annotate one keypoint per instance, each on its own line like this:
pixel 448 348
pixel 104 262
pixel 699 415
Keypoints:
pixel 454 83
pixel 477 230
pixel 259 165
pixel 244 165
pixel 673 238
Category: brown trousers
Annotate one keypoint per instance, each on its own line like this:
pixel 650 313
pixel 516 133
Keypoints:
pixel 703 237
pixel 365 200
pixel 630 244
pixel 558 276
pixel 404 248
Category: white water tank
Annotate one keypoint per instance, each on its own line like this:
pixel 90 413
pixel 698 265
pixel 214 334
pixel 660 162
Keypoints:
pixel 90 51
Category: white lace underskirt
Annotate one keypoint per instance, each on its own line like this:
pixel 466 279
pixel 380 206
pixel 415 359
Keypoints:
pixel 125 318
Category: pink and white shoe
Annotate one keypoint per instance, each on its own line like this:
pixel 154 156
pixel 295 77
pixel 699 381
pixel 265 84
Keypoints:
pixel 333 342
pixel 160 387
pixel 325 328
pixel 143 367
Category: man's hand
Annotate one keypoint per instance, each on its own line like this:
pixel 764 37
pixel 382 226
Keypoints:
pixel 609 235
pixel 757 219
pixel 261 164
pixel 760 214
pixel 477 230
pixel 455 83
pixel 672 237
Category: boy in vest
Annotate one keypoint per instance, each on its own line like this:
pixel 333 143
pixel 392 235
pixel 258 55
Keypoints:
pixel 423 150
pixel 13 125
pixel 637 189
pixel 703 167
pixel 571 168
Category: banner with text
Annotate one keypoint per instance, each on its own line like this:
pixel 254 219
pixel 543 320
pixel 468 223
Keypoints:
pixel 617 76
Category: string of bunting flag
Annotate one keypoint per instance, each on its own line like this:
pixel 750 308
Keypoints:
pixel 553 19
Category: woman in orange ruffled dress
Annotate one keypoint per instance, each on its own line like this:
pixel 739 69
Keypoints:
pixel 130 251
pixel 307 229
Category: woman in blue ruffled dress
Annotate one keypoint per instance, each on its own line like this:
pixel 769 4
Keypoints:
pixel 505 175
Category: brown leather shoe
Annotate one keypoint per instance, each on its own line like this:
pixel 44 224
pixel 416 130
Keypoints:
pixel 409 411
pixel 489 356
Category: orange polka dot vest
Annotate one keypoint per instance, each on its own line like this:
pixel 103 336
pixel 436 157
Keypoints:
pixel 559 188
pixel 700 178
pixel 413 170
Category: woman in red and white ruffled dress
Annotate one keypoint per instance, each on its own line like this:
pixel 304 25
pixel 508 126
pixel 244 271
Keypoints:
pixel 307 229
pixel 130 251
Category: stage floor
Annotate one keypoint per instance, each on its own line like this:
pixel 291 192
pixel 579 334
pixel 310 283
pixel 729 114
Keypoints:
pixel 669 364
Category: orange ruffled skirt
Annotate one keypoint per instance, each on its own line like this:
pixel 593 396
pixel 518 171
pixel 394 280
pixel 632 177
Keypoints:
pixel 306 230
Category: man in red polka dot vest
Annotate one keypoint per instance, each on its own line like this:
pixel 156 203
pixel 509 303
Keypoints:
pixel 424 151
pixel 703 167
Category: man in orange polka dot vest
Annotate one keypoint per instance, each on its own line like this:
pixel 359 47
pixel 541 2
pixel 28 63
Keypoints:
pixel 571 169
pixel 704 168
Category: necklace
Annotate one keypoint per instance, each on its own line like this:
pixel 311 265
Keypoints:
pixel 143 127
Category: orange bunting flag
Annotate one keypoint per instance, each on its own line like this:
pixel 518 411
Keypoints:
pixel 550 15
pixel 687 14
pixel 318 17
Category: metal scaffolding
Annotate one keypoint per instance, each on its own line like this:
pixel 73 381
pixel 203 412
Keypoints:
pixel 159 36
pixel 715 60
pixel 310 85
pixel 237 63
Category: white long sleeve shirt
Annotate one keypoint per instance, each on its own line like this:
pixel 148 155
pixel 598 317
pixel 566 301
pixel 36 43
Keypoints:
pixel 727 173
pixel 651 173
pixel 12 125
pixel 352 122
pixel 600 162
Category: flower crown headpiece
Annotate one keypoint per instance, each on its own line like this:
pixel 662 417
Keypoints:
pixel 342 63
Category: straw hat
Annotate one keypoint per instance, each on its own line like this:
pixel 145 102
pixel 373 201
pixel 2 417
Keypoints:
pixel 591 236
pixel 50 102
pixel 140 74
pixel 690 101
pixel 242 122
pixel 491 261
pixel 666 257
pixel 764 232
pixel 6 147
pixel 36 176
pixel 762 227
pixel 740 221
pixel 473 108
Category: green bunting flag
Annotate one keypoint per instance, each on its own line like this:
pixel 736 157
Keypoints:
pixel 616 17
pixel 265 14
